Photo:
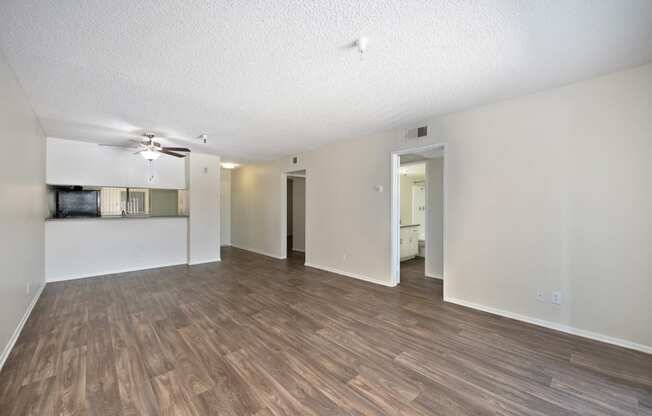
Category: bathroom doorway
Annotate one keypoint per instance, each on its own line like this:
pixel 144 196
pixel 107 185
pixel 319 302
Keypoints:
pixel 418 214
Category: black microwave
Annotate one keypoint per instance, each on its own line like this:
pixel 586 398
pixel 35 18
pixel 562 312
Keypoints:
pixel 78 203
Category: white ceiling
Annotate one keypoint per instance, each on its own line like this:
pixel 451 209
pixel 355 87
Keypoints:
pixel 269 78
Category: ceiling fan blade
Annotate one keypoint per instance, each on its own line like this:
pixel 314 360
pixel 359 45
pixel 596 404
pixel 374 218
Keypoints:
pixel 167 152
pixel 177 149
pixel 123 146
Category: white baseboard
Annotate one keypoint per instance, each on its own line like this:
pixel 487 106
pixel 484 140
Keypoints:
pixel 19 328
pixel 434 276
pixel 101 274
pixel 553 325
pixel 204 261
pixel 264 253
pixel 349 274
pixel 298 249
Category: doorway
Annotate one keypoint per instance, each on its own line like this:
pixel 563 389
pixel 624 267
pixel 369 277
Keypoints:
pixel 418 213
pixel 294 215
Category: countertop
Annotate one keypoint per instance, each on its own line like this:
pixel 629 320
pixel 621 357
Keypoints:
pixel 116 217
pixel 410 225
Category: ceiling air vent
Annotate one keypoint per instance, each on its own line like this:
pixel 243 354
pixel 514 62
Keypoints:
pixel 416 133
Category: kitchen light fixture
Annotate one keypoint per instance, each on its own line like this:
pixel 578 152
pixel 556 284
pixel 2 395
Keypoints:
pixel 229 165
pixel 150 155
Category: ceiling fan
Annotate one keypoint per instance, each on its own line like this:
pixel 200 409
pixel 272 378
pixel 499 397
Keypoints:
pixel 149 149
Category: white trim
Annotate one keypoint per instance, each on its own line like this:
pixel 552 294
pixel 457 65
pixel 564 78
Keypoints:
pixel 432 276
pixel 103 274
pixel 395 221
pixel 426 220
pixel 264 253
pixel 553 325
pixel 19 328
pixel 298 249
pixel 349 274
pixel 205 261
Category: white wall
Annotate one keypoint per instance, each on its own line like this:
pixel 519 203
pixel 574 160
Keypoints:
pixel 298 214
pixel 256 222
pixel 204 208
pixel 22 208
pixel 339 204
pixel 84 247
pixel 76 248
pixel 225 207
pixel 435 217
pixel 548 191
pixel 406 199
pixel 71 162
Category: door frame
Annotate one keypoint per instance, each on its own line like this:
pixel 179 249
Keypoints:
pixel 395 210
pixel 284 211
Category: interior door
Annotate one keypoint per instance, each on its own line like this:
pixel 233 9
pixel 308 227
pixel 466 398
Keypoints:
pixel 419 208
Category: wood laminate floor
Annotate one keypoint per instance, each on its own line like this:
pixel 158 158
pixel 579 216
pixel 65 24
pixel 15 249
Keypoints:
pixel 258 336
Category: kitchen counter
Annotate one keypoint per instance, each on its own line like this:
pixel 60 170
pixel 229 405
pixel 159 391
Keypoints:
pixel 105 245
pixel 116 217
pixel 410 225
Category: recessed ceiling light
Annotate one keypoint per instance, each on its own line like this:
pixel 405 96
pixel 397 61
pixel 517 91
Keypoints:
pixel 229 165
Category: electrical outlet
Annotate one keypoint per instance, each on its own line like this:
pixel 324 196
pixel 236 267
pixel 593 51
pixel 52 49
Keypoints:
pixel 540 296
pixel 556 297
pixel 345 257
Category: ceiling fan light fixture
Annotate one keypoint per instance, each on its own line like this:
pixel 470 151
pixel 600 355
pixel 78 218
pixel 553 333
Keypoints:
pixel 150 155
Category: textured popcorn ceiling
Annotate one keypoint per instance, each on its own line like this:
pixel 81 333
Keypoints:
pixel 268 78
